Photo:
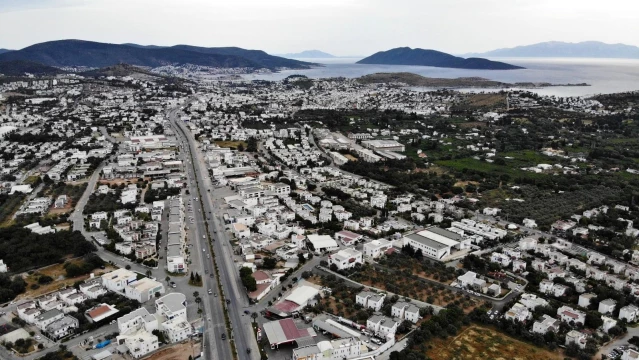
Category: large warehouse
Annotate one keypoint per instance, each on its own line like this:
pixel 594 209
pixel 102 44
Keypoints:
pixel 383 145
pixel 435 242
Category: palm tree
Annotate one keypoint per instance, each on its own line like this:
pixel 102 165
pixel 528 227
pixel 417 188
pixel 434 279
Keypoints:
pixel 167 279
pixel 198 300
pixel 254 316
pixel 196 294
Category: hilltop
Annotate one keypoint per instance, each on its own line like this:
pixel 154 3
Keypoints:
pixel 94 54
pixel 422 57
pixel 586 49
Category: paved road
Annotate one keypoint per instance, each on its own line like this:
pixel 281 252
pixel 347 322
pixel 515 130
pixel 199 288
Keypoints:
pixel 213 306
pixel 242 331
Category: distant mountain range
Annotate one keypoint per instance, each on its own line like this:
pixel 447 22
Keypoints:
pixel 94 54
pixel 586 49
pixel 422 57
pixel 308 54
pixel 2 51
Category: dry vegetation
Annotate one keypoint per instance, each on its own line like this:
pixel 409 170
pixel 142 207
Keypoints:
pixel 180 351
pixel 479 343
pixel 60 281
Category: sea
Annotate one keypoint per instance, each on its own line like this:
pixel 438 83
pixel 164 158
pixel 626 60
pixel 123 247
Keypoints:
pixel 605 76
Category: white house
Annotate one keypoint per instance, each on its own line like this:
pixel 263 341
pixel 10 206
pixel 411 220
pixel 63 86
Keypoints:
pixel 345 259
pixel 143 290
pixel 545 324
pixel 381 325
pixel 608 323
pixel 370 300
pixel 377 248
pixel 607 306
pixel 171 305
pixel 568 314
pixel 117 280
pixel 405 311
pixel 586 299
pixel 577 337
pixel 629 312
pixel 518 312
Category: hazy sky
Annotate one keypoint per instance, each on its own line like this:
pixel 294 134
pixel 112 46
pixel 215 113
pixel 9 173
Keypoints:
pixel 341 27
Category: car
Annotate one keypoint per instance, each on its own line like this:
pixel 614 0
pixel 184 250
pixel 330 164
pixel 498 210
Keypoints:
pixel 247 312
pixel 38 337
pixel 223 336
pixel 210 291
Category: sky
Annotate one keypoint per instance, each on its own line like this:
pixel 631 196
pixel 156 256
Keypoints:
pixel 340 27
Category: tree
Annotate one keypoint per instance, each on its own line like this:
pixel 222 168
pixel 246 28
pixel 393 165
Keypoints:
pixel 269 263
pixel 192 277
pixel 149 273
pixel 128 267
pixel 254 316
pixel 301 258
pixel 167 279
pixel 196 294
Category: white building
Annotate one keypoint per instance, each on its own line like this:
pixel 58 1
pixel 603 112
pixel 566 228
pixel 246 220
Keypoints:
pixel 322 243
pixel 434 242
pixel 545 324
pixel 369 299
pixel 117 280
pixel 405 311
pixel 345 259
pixel 568 314
pixel 377 248
pixel 518 312
pixel 171 305
pixel 629 312
pixel 381 326
pixel 143 290
pixel 607 306
pixel 579 338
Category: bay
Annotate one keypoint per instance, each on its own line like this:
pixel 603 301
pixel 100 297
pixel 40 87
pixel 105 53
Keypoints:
pixel 604 75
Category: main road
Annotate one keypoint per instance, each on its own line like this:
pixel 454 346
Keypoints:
pixel 233 291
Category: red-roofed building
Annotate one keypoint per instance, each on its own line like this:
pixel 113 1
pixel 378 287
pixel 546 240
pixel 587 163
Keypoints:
pixel 264 284
pixel 285 332
pixel 347 237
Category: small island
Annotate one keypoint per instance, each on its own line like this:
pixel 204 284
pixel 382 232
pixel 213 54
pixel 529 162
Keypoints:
pixel 410 79
pixel 423 57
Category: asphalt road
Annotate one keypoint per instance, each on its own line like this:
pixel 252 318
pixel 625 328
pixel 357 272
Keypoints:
pixel 242 332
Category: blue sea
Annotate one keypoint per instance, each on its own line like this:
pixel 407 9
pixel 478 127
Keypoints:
pixel 604 75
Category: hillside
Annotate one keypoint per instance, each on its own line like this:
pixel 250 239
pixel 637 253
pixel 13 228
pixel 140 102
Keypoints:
pixel 411 79
pixel 309 54
pixel 2 51
pixel 256 56
pixel 118 70
pixel 94 54
pixel 422 57
pixel 20 67
pixel 587 49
